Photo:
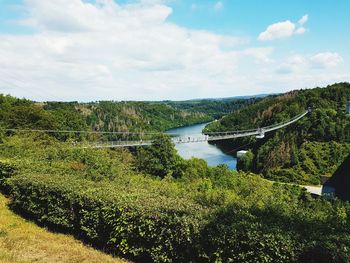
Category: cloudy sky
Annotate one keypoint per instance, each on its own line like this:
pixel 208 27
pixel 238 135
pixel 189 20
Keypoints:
pixel 170 49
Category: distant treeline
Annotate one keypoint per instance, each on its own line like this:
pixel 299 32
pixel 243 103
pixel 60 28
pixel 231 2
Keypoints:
pixel 216 108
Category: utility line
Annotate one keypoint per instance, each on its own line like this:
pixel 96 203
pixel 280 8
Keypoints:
pixel 77 131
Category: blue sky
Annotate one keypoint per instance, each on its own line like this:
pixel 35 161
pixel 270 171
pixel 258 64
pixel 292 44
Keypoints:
pixel 328 18
pixel 171 49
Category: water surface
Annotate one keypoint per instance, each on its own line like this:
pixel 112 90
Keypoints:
pixel 212 154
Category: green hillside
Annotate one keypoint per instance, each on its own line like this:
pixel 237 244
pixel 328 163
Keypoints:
pixel 122 116
pixel 97 116
pixel 303 152
pixel 153 206
pixel 150 205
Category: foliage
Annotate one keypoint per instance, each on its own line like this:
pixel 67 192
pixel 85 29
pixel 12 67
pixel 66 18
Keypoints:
pixel 304 151
pixel 7 169
pixel 215 108
pixel 17 113
pixel 152 206
pixel 246 162
pixel 241 231
pixel 137 116
pixel 159 159
pixel 23 241
pixel 207 214
pixel 104 214
pixel 125 116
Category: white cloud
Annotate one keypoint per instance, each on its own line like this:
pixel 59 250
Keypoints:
pixel 293 63
pixel 218 6
pixel 260 54
pixel 278 30
pixel 300 31
pixel 326 60
pixel 298 63
pixel 283 30
pixel 89 51
pixel 303 20
pixel 83 51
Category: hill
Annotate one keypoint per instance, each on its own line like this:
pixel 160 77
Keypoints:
pixel 153 206
pixel 150 205
pixel 124 116
pixel 303 152
pixel 97 116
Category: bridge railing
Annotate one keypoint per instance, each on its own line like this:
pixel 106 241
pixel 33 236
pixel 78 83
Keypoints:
pixel 210 136
pixel 252 132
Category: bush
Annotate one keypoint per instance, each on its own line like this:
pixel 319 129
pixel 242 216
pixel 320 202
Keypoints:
pixel 236 235
pixel 245 163
pixel 7 169
pixel 209 214
pixel 142 226
pixel 159 159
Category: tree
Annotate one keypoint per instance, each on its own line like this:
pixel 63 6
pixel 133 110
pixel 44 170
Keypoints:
pixel 159 159
pixel 245 163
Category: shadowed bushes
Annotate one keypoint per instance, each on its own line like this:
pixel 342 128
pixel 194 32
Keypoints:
pixel 207 214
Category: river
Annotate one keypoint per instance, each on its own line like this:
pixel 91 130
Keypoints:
pixel 209 152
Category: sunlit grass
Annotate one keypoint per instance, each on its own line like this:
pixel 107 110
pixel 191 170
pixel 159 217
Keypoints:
pixel 23 241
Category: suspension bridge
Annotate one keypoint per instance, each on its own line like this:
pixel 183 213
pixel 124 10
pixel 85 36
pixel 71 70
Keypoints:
pixel 206 137
pixel 176 139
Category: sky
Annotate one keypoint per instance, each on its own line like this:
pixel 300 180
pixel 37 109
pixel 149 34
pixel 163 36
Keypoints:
pixel 88 50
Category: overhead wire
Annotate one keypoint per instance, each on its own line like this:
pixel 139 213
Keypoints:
pixel 123 132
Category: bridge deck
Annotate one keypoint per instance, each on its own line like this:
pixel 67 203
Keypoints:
pixel 214 136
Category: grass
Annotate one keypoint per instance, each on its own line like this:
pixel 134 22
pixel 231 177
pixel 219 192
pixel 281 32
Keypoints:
pixel 23 241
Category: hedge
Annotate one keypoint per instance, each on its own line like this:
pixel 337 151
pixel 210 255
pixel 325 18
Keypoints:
pixel 144 227
pixel 149 226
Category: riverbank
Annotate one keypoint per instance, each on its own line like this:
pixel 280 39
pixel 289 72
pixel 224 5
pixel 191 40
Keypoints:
pixel 211 153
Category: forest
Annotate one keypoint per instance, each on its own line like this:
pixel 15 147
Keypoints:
pixel 307 152
pixel 123 116
pixel 150 205
pixel 216 108
pixel 96 116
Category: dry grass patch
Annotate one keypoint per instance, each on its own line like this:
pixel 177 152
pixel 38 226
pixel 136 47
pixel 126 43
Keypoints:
pixel 23 241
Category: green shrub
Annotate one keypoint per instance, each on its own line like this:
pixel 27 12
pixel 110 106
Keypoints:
pixel 245 163
pixel 7 169
pixel 209 214
pixel 159 159
pixel 236 235
pixel 142 226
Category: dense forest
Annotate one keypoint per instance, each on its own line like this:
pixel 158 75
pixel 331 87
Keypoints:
pixel 304 152
pixel 112 116
pixel 97 116
pixel 150 205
